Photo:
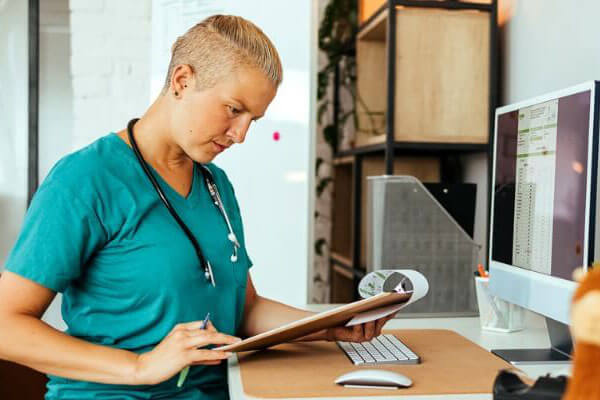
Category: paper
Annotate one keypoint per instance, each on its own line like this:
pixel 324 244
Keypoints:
pixel 400 280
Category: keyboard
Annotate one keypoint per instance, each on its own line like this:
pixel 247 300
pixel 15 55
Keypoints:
pixel 384 349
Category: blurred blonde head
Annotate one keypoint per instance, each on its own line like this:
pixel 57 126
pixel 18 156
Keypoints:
pixel 220 45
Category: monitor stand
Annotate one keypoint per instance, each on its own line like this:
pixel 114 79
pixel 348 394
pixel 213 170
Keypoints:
pixel 558 353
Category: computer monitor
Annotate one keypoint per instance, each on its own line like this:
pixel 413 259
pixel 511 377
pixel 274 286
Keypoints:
pixel 543 210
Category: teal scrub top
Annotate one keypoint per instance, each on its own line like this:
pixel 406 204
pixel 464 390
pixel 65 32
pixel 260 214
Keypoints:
pixel 97 231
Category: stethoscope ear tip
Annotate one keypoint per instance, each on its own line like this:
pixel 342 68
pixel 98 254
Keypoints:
pixel 233 258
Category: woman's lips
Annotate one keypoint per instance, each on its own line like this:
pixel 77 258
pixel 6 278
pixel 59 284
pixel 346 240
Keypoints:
pixel 219 148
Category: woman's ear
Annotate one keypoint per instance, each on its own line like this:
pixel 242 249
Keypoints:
pixel 181 78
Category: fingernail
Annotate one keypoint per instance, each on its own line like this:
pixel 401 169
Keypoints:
pixel 228 354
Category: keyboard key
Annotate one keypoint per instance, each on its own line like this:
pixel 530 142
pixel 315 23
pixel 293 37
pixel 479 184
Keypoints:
pixel 401 346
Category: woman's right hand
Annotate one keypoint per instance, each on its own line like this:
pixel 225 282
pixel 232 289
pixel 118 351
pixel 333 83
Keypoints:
pixel 180 349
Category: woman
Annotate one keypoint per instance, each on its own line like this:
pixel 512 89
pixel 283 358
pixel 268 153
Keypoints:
pixel 135 291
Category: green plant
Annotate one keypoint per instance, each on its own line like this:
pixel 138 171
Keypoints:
pixel 337 36
pixel 337 39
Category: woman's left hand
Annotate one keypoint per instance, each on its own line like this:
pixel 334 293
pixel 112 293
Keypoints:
pixel 357 333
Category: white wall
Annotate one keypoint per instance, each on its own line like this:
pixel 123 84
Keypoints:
pixel 274 180
pixel 110 65
pixel 548 45
pixel 13 121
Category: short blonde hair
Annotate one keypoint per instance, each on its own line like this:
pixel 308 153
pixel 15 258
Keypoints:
pixel 219 45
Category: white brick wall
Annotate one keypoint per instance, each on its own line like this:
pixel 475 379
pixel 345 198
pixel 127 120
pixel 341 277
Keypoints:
pixel 110 65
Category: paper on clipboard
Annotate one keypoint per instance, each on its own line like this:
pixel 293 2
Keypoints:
pixel 386 293
pixel 396 280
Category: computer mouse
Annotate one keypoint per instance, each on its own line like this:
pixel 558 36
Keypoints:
pixel 374 377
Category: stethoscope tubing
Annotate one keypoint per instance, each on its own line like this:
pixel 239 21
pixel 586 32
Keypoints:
pixel 216 199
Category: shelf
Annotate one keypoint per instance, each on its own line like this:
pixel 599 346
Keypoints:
pixel 343 160
pixel 346 272
pixel 375 28
pixel 342 284
pixel 364 150
pixel 370 5
pixel 341 260
pixel 441 77
pixel 415 148
pixel 345 265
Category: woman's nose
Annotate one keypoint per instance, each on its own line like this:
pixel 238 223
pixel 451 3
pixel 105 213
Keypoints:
pixel 236 136
pixel 237 132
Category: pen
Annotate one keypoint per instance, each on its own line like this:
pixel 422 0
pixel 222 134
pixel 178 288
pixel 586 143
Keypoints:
pixel 184 372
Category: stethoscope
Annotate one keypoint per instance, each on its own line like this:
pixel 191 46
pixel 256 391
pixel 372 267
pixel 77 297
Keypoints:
pixel 214 194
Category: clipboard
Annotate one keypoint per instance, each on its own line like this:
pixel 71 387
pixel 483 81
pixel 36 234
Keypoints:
pixel 328 319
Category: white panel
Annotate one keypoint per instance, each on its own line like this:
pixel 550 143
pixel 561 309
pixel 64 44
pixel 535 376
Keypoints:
pixel 13 121
pixel 272 179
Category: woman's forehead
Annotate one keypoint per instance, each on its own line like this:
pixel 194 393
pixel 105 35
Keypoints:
pixel 251 88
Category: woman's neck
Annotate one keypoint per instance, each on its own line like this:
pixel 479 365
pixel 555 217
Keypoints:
pixel 154 140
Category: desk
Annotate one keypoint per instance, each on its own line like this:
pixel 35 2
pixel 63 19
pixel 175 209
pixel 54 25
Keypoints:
pixel 535 335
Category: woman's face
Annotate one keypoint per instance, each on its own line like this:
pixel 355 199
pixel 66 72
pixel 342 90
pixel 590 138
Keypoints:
pixel 206 122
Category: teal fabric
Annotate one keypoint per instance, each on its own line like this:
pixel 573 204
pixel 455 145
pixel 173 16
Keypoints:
pixel 97 232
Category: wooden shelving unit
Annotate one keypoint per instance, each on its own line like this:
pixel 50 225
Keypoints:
pixel 440 93
pixel 434 65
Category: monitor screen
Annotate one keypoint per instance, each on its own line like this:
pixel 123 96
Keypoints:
pixel 541 181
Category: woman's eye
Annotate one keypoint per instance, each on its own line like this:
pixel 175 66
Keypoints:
pixel 233 110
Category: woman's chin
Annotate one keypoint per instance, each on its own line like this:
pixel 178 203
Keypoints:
pixel 203 157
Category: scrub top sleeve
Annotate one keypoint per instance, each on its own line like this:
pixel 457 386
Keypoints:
pixel 59 235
